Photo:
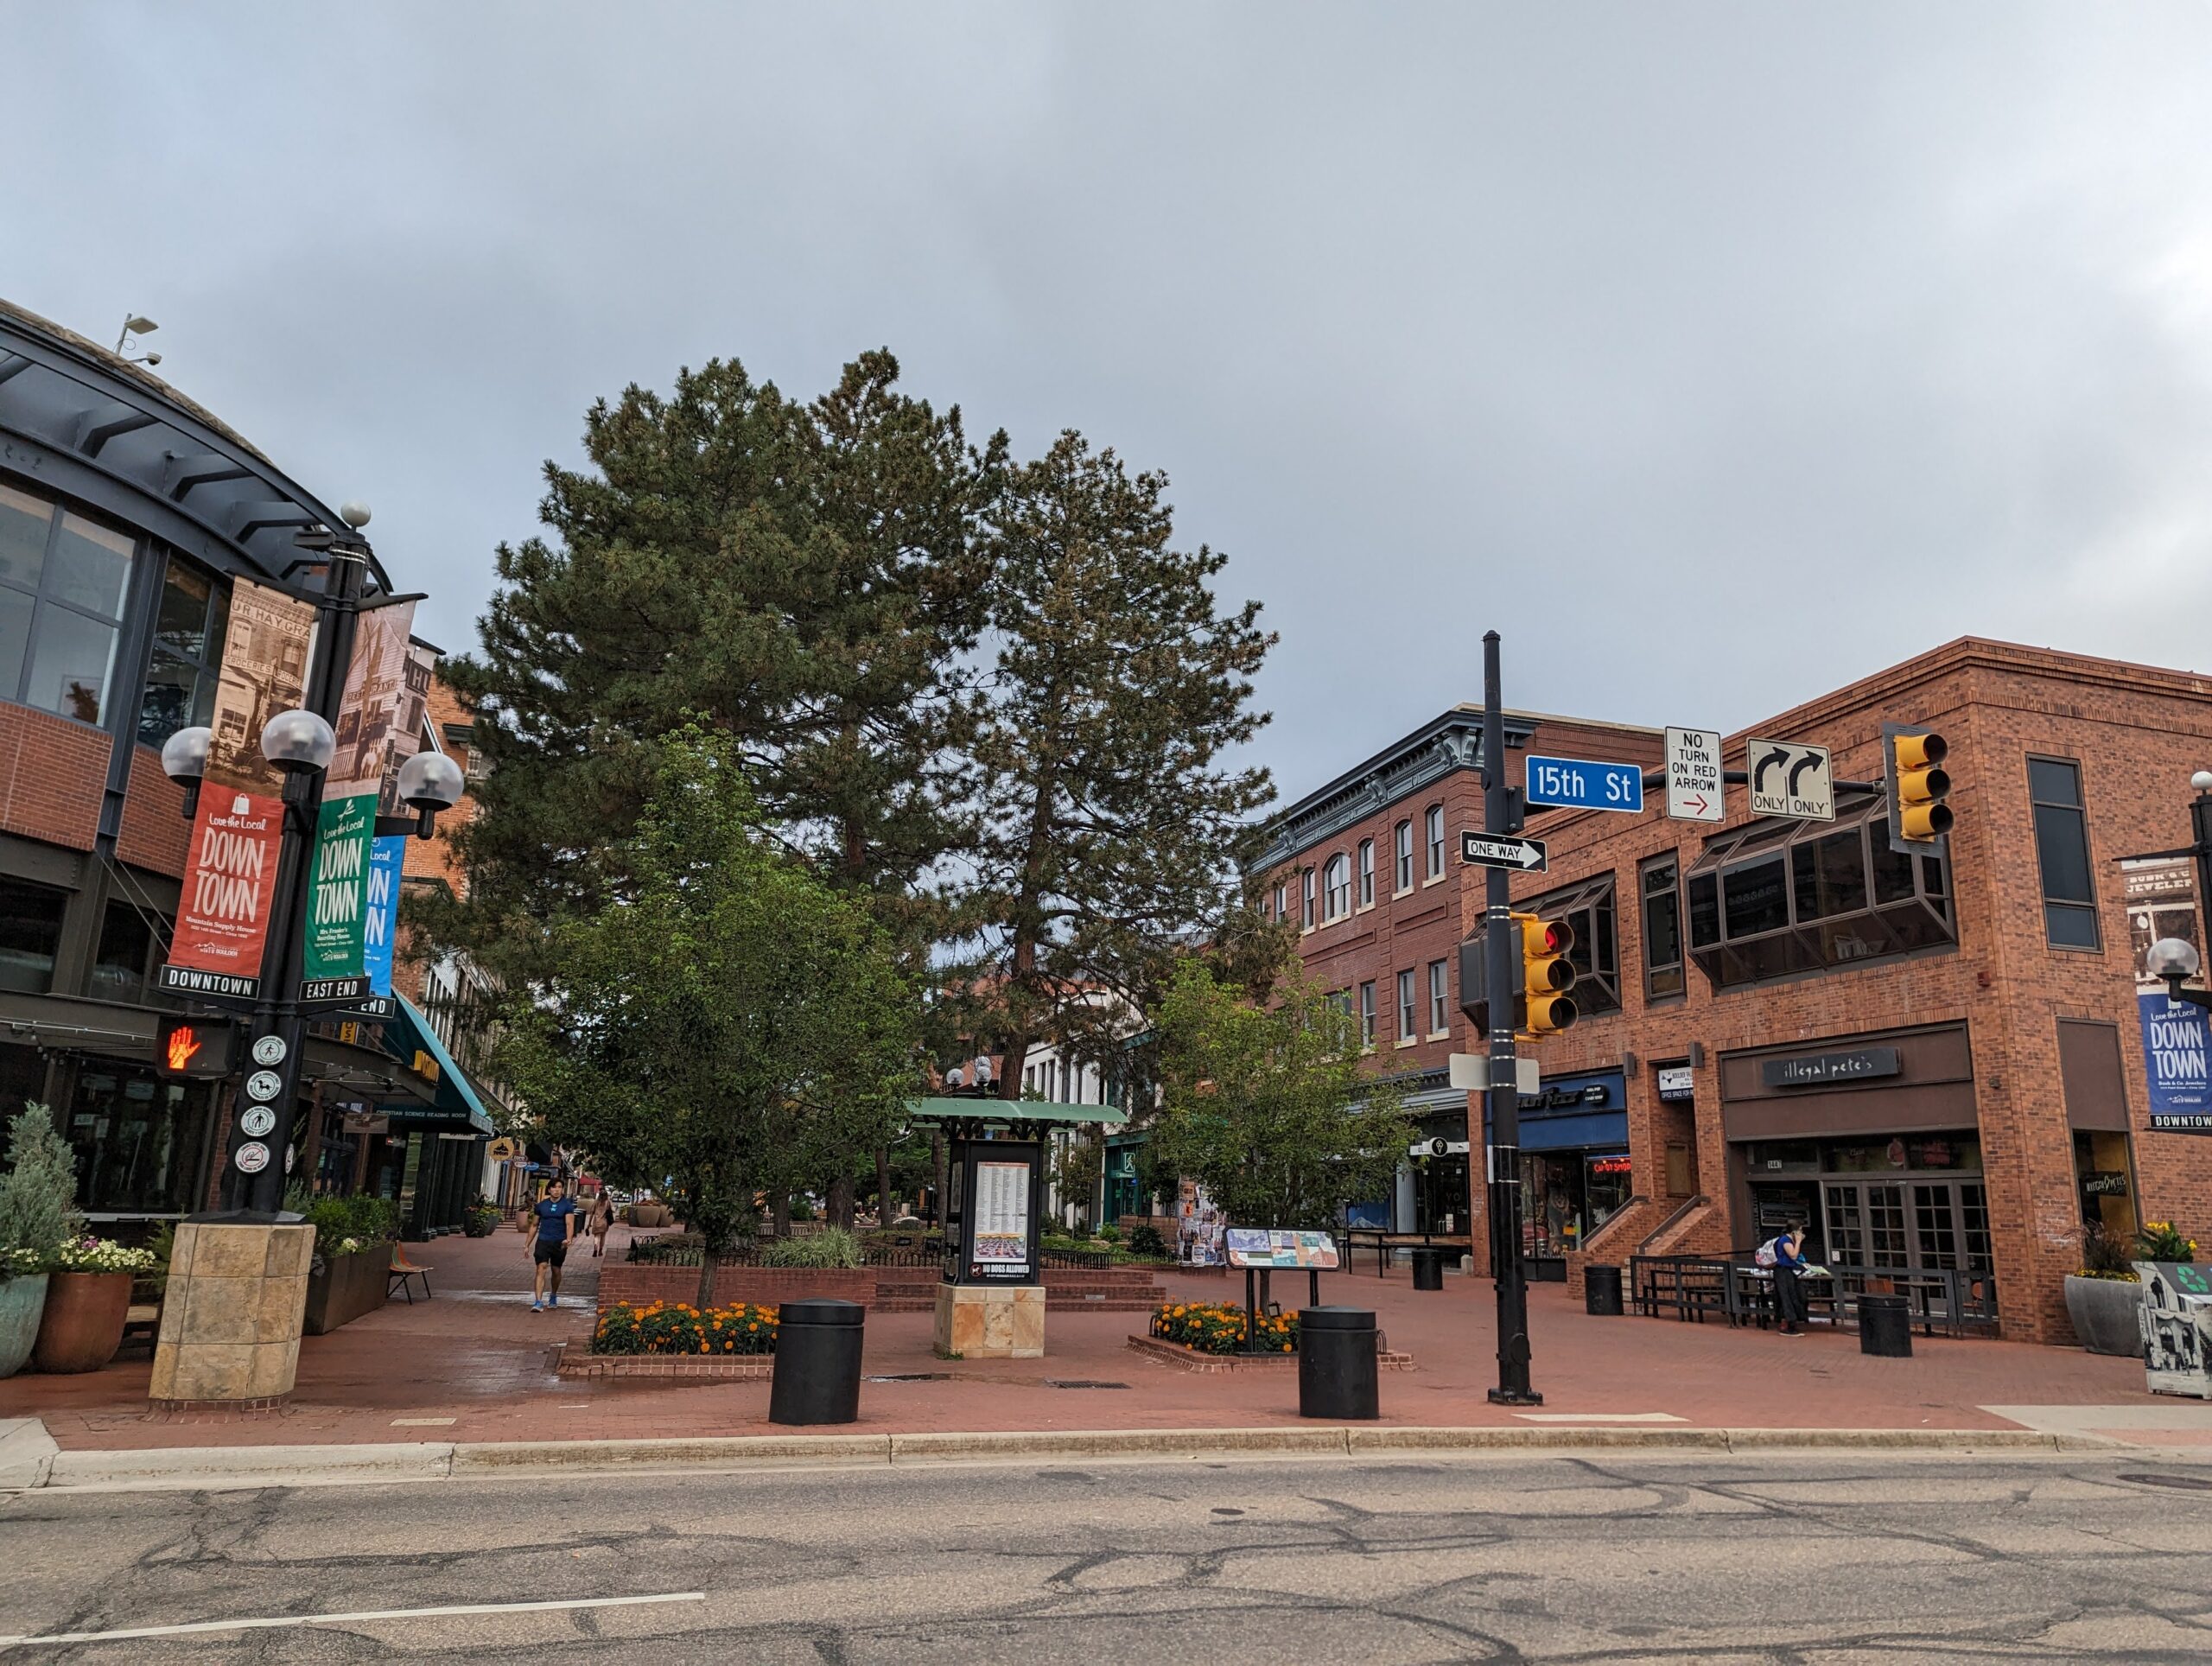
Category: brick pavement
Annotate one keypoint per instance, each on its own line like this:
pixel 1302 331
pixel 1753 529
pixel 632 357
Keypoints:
pixel 473 1364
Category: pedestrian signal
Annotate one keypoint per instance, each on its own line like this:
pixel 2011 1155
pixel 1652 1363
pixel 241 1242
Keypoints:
pixel 195 1049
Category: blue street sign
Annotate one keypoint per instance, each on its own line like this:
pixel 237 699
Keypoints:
pixel 1582 784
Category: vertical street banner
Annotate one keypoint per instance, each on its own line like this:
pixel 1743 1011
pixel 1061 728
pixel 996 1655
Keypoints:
pixel 387 857
pixel 2161 896
pixel 222 922
pixel 333 962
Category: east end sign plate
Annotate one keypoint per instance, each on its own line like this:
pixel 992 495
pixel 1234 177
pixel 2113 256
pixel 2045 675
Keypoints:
pixel 1585 784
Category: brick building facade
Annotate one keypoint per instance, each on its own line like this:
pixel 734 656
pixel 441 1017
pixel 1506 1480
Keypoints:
pixel 1935 1061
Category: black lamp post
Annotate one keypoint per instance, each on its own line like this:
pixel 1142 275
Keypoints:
pixel 300 743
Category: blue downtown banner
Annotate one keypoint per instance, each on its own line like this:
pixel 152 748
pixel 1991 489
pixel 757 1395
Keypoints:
pixel 2178 1059
pixel 386 856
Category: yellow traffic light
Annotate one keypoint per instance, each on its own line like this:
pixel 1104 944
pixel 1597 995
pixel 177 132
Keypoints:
pixel 1546 975
pixel 1918 785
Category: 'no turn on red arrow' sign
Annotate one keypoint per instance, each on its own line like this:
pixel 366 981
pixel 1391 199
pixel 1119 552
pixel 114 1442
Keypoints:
pixel 1694 792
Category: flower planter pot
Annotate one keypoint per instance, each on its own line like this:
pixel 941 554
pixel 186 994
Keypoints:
pixel 82 1325
pixel 22 1303
pixel 346 1287
pixel 2104 1315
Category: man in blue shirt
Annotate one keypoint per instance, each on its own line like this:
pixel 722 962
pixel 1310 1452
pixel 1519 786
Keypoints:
pixel 549 1245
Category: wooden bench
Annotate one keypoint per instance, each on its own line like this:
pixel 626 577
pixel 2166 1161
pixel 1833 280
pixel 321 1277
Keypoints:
pixel 403 1272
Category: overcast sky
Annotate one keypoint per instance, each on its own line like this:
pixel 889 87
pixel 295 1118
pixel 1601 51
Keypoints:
pixel 1715 355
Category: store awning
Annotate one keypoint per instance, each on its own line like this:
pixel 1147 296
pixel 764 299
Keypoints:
pixel 453 1097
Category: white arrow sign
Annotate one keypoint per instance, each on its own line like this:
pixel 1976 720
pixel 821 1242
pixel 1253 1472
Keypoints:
pixel 1788 778
pixel 1494 850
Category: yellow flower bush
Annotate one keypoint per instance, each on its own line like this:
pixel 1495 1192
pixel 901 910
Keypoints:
pixel 661 1327
pixel 1219 1327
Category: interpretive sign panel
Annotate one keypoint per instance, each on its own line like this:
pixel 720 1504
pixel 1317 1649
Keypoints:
pixel 1279 1247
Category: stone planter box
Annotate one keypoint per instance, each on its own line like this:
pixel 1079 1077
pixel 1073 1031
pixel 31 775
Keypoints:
pixel 346 1287
pixel 23 1302
pixel 2104 1312
pixel 580 1361
pixel 82 1325
pixel 1189 1359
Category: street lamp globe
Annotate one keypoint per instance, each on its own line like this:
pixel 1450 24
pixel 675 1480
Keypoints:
pixel 2201 780
pixel 2173 959
pixel 298 740
pixel 431 780
pixel 184 755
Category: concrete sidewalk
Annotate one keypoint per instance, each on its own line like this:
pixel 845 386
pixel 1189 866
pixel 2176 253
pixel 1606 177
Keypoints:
pixel 472 1365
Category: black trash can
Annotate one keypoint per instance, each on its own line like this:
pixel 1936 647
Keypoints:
pixel 1336 1364
pixel 1885 1327
pixel 817 1362
pixel 1428 1267
pixel 1601 1289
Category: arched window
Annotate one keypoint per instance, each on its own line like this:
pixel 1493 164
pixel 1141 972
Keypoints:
pixel 1336 887
pixel 1404 880
pixel 1435 841
pixel 1366 873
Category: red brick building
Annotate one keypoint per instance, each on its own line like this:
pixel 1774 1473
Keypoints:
pixel 1937 1061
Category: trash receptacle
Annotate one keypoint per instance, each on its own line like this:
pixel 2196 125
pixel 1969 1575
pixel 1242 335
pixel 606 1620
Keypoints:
pixel 1336 1363
pixel 1885 1327
pixel 1601 1289
pixel 1428 1267
pixel 817 1362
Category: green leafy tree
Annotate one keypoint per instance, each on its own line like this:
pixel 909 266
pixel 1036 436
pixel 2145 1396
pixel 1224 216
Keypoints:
pixel 1267 1106
pixel 38 1195
pixel 1111 831
pixel 729 1008
pixel 802 577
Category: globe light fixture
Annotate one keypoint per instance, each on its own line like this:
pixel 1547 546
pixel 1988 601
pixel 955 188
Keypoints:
pixel 296 740
pixel 430 781
pixel 184 761
pixel 2201 780
pixel 2173 959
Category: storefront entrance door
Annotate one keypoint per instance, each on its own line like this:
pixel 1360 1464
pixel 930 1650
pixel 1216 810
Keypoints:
pixel 1907 1223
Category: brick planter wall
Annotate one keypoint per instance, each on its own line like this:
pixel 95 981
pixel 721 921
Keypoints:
pixel 639 1284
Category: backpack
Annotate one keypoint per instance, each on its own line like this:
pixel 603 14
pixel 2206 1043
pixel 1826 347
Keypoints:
pixel 1764 1256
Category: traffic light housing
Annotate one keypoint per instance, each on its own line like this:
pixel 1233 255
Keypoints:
pixel 194 1049
pixel 1545 1007
pixel 1912 768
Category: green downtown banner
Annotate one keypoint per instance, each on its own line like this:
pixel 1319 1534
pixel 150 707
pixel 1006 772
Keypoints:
pixel 338 894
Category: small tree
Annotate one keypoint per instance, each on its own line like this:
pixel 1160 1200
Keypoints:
pixel 38 1195
pixel 1267 1107
pixel 727 1011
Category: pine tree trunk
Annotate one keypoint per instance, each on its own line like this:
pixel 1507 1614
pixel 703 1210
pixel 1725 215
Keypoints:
pixel 709 1255
pixel 780 1220
pixel 841 1202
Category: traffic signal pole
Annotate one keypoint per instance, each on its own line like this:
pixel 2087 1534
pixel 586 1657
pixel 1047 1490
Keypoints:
pixel 1501 1154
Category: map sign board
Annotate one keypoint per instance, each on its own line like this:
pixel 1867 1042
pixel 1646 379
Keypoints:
pixel 1694 790
pixel 1278 1247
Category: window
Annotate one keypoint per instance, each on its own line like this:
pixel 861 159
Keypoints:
pixel 2070 900
pixel 188 652
pixel 1366 1014
pixel 1282 902
pixel 30 931
pixel 1336 887
pixel 1440 998
pixel 1306 919
pixel 1366 873
pixel 1408 1014
pixel 1662 929
pixel 61 586
pixel 1434 824
pixel 131 940
pixel 1587 909
pixel 1778 898
pixel 1404 880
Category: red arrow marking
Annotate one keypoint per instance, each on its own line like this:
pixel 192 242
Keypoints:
pixel 1696 804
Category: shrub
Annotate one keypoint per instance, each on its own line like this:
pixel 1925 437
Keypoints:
pixel 1109 1232
pixel 666 1328
pixel 1219 1327
pixel 373 1219
pixel 482 1218
pixel 333 1221
pixel 2163 1241
pixel 38 1195
pixel 1147 1241
pixel 832 1246
pixel 101 1255
pixel 2106 1254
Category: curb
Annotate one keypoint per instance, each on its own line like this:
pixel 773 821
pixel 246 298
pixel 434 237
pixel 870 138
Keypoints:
pixel 196 1467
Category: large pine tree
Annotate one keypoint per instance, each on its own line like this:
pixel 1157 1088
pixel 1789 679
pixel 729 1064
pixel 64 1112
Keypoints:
pixel 1111 829
pixel 804 578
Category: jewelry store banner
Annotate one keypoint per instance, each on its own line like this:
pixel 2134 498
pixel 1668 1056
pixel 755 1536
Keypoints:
pixel 371 712
pixel 2161 896
pixel 223 920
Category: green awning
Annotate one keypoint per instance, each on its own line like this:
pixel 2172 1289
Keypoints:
pixel 1014 1113
pixel 452 1097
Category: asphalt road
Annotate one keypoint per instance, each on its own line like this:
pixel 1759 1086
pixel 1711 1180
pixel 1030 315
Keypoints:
pixel 1776 1558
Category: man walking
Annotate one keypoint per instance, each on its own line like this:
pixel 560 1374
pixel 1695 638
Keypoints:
pixel 549 1247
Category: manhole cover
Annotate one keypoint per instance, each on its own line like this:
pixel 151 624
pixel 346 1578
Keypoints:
pixel 1079 1383
pixel 914 1377
pixel 2185 1482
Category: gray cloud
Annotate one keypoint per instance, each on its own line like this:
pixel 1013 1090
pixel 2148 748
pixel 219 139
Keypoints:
pixel 1716 354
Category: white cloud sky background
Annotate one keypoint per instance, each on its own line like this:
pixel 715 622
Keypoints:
pixel 1715 355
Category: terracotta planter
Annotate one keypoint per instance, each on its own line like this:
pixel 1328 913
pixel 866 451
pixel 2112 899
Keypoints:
pixel 2104 1313
pixel 23 1302
pixel 82 1326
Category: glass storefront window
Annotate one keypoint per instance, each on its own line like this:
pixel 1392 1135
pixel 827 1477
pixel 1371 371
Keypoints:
pixel 1567 1195
pixel 189 635
pixel 136 1138
pixel 64 578
pixel 30 933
